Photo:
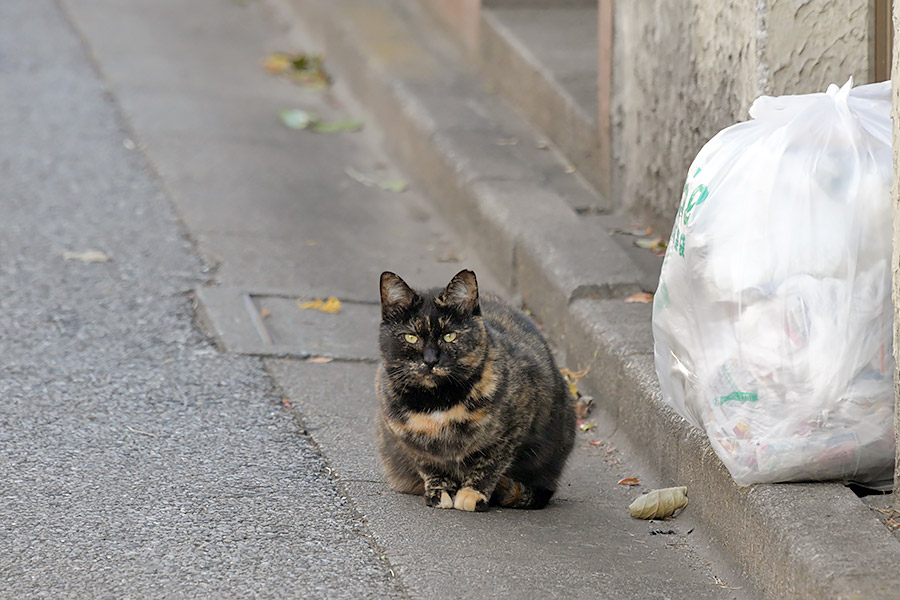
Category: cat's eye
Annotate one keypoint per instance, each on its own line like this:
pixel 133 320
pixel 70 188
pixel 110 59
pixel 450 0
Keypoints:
pixel 412 339
pixel 449 337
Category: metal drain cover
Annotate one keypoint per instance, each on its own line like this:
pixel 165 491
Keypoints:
pixel 274 324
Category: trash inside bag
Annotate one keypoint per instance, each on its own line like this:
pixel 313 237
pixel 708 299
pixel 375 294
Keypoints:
pixel 773 319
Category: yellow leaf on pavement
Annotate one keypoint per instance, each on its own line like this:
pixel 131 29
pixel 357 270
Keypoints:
pixel 640 298
pixel 331 305
pixel 304 69
pixel 572 377
pixel 277 63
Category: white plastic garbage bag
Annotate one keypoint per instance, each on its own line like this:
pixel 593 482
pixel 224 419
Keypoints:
pixel 773 320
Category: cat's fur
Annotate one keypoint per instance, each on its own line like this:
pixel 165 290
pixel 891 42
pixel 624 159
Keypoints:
pixel 485 417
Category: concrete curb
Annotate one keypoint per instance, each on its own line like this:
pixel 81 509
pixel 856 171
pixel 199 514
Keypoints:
pixel 511 68
pixel 808 541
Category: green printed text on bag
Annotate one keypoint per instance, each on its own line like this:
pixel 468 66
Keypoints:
pixel 737 397
pixel 691 198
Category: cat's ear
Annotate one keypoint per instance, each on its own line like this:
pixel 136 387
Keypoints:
pixel 396 296
pixel 461 293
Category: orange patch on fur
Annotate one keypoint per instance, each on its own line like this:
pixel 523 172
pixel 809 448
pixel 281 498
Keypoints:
pixel 512 495
pixel 423 423
pixel 470 360
pixel 467 499
pixel 486 385
pixel 432 423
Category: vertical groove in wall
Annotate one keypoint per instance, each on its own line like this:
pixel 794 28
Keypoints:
pixel 762 62
pixel 880 40
pixel 605 34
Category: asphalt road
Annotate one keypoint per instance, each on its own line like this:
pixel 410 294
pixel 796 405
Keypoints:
pixel 136 460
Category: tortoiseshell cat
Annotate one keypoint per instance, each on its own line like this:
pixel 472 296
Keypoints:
pixel 472 408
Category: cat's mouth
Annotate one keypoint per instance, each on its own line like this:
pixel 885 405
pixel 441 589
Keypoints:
pixel 430 376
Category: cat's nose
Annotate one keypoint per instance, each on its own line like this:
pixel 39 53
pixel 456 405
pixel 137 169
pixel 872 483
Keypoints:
pixel 430 357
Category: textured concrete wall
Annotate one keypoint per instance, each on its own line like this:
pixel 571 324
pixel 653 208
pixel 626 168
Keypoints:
pixel 684 69
pixel 812 44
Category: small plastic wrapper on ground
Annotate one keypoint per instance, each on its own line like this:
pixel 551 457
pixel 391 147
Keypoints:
pixel 773 319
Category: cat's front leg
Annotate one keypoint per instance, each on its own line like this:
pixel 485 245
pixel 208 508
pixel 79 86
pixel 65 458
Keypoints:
pixel 481 478
pixel 439 489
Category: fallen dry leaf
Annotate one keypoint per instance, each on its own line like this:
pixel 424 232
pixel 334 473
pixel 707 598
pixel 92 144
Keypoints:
pixel 276 63
pixel 629 481
pixel 360 177
pixel 337 126
pixel 655 245
pixel 658 504
pixel 321 360
pixel 640 298
pixel 391 185
pixel 265 313
pixel 891 517
pixel 88 256
pixel 722 584
pixel 583 406
pixel 295 118
pixel 572 377
pixel 586 426
pixel 331 305
pixel 304 69
pixel 647 243
pixel 575 375
pixel 636 231
pixel 596 442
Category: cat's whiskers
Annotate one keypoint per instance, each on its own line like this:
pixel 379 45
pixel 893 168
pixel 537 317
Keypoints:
pixel 401 377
